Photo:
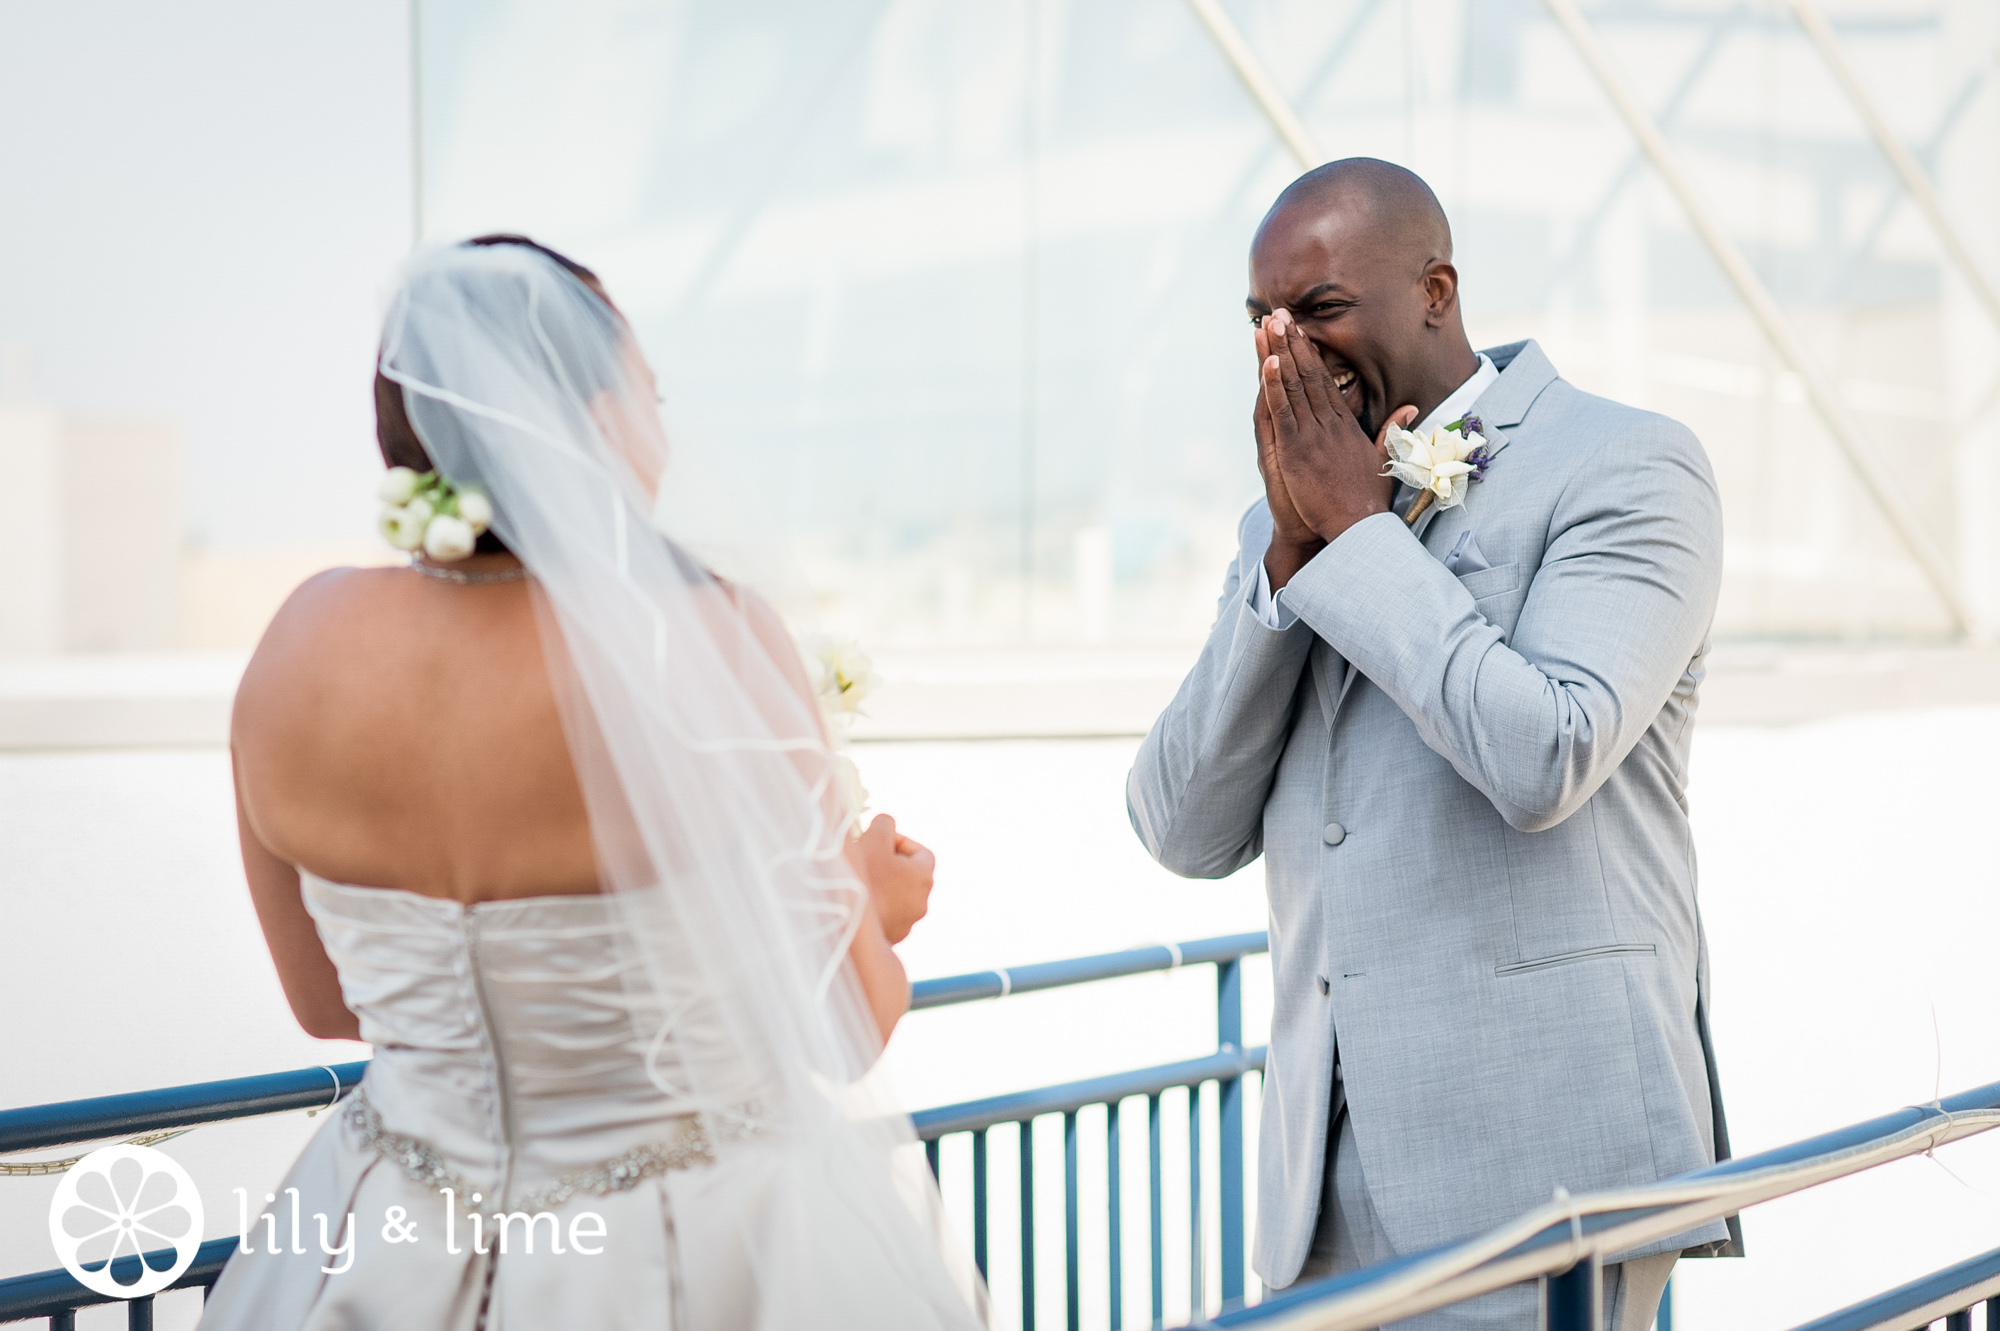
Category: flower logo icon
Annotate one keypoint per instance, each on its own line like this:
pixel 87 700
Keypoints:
pixel 125 1202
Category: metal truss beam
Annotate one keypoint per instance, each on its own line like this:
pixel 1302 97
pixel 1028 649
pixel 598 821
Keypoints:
pixel 1915 180
pixel 1263 90
pixel 1869 469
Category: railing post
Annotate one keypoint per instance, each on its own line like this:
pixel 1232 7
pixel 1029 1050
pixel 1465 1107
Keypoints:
pixel 1229 1035
pixel 1574 1300
pixel 1663 1320
pixel 979 1204
pixel 1159 1289
pixel 1115 1189
pixel 1197 1250
pixel 139 1315
pixel 1028 1225
pixel 1072 1276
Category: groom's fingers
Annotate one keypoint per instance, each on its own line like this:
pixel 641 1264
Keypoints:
pixel 1295 405
pixel 1276 401
pixel 1313 378
pixel 1267 437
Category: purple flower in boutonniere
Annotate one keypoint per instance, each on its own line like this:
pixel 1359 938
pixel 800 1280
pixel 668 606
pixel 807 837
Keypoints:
pixel 1474 428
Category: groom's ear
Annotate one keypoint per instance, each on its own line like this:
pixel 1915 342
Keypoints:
pixel 1440 292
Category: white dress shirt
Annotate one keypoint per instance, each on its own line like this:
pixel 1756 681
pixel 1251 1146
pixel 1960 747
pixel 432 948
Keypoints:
pixel 1272 609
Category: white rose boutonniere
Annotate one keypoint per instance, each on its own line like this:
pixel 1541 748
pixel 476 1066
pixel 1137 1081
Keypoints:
pixel 1440 463
pixel 842 678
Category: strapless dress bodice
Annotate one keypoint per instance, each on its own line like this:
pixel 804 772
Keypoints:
pixel 510 1036
pixel 520 1060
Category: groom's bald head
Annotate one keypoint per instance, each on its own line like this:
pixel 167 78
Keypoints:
pixel 1378 200
pixel 1360 252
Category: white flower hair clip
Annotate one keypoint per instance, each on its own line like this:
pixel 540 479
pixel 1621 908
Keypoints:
pixel 424 511
pixel 1440 463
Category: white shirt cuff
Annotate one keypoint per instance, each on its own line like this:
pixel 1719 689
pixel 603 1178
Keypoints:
pixel 1270 609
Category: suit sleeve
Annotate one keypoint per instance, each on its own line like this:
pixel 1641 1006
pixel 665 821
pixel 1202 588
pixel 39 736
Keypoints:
pixel 1622 600
pixel 1197 790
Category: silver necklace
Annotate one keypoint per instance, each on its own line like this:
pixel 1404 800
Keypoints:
pixel 463 578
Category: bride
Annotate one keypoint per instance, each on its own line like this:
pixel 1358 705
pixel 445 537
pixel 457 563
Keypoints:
pixel 551 820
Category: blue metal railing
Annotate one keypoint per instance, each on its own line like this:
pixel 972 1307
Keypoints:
pixel 1561 1245
pixel 1951 1294
pixel 56 1295
pixel 1226 1067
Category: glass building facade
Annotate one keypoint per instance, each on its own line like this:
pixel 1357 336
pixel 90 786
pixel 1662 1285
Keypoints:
pixel 951 295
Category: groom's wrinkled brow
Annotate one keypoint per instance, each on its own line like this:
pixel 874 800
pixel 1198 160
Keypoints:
pixel 1256 306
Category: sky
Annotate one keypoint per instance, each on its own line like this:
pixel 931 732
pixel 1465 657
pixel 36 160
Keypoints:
pixel 201 206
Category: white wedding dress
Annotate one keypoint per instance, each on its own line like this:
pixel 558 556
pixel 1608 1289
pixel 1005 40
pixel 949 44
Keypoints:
pixel 690 1056
pixel 508 1063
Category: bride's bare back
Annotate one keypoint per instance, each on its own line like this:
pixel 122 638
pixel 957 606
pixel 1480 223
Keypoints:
pixel 400 731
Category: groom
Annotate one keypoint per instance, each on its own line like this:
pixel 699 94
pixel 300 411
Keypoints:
pixel 1461 745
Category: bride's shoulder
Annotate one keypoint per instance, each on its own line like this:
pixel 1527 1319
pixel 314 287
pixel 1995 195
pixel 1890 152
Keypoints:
pixel 317 632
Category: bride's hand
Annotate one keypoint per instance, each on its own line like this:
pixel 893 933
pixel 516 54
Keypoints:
pixel 897 872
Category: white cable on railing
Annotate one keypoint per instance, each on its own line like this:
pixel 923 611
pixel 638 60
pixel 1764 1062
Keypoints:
pixel 1475 1267
pixel 338 1090
pixel 32 1168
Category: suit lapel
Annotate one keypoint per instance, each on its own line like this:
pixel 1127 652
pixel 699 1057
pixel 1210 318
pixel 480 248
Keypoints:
pixel 1524 372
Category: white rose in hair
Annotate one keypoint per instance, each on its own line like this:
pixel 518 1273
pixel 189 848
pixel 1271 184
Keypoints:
pixel 476 509
pixel 447 538
pixel 401 528
pixel 399 486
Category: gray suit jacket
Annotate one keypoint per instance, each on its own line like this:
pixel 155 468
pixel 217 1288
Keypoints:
pixel 1469 794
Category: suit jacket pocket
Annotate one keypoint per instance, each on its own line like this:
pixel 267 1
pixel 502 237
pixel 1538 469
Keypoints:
pixel 1492 581
pixel 1581 954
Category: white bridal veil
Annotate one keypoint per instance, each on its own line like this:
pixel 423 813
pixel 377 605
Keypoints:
pixel 708 778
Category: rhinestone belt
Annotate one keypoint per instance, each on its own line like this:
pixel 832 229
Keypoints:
pixel 422 1163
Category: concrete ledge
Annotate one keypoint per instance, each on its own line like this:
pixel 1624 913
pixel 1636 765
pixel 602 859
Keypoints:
pixel 137 701
pixel 1758 684
pixel 183 700
pixel 1017 693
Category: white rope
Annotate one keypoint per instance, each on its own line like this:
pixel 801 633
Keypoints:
pixel 1173 950
pixel 30 1168
pixel 40 1168
pixel 315 1113
pixel 1006 983
pixel 1562 1198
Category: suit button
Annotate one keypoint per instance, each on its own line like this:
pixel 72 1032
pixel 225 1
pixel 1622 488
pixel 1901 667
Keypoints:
pixel 1323 985
pixel 1334 834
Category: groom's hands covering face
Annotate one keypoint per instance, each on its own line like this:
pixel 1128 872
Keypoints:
pixel 1322 474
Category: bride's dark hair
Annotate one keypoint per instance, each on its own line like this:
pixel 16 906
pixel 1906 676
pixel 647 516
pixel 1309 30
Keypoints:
pixel 394 434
